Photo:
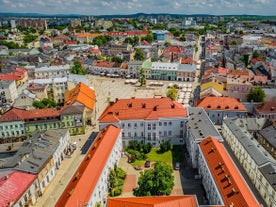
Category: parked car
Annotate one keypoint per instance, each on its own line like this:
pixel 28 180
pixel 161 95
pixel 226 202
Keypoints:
pixel 177 166
pixel 147 164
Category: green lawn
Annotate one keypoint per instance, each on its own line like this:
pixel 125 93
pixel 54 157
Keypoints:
pixel 154 156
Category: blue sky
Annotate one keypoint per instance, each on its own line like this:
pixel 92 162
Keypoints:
pixel 99 7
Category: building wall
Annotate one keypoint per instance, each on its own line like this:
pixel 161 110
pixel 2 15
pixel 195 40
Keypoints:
pixel 8 90
pixel 30 196
pixel 217 116
pixel 152 131
pixel 12 131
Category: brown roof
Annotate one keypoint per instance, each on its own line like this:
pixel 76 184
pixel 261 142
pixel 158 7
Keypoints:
pixel 266 108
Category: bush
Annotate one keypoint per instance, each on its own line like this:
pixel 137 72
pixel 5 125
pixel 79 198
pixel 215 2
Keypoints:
pixel 147 148
pixel 120 173
pixel 165 146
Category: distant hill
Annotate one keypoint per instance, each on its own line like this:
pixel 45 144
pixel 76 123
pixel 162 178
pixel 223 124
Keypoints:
pixel 154 15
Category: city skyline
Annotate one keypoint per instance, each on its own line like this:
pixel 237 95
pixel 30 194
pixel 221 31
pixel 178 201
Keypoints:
pixel 113 7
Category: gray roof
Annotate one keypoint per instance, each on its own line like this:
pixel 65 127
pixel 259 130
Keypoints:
pixel 269 133
pixel 76 79
pixel 253 148
pixel 35 152
pixel 200 125
pixel 269 172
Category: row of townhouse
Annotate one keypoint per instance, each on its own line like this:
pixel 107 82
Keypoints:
pixel 257 162
pixel 154 70
pixel 77 112
pixel 28 167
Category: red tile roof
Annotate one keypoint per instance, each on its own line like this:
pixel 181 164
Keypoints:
pixel 154 201
pixel 266 108
pixel 230 183
pixel 82 184
pixel 222 70
pixel 18 74
pixel 237 73
pixel 16 114
pixel 81 94
pixel 103 63
pixel 142 108
pixel 174 49
pixel 13 186
pixel 221 103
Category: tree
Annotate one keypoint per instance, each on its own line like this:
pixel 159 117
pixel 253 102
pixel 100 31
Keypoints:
pixel 142 77
pixel 165 146
pixel 155 182
pixel 167 44
pixel 77 68
pixel 172 93
pixel 29 38
pixel 139 55
pixel 45 103
pixel 256 94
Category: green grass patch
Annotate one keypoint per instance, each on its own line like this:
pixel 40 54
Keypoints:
pixel 155 156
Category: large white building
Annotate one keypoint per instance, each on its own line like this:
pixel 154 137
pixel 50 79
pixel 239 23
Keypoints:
pixel 52 71
pixel 8 92
pixel 259 165
pixel 149 120
pixel 223 183
pixel 89 184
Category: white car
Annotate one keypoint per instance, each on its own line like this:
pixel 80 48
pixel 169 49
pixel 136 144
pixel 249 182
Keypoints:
pixel 177 166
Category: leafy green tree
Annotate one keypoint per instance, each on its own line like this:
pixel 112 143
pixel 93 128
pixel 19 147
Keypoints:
pixel 77 68
pixel 139 55
pixel 142 77
pixel 155 182
pixel 29 38
pixel 172 93
pixel 154 59
pixel 45 103
pixel 165 146
pixel 149 38
pixel 117 59
pixel 147 148
pixel 256 94
pixel 167 44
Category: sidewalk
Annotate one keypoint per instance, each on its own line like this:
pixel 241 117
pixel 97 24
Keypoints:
pixel 64 173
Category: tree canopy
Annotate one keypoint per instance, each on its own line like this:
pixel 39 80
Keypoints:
pixel 139 55
pixel 77 68
pixel 256 94
pixel 172 93
pixel 155 182
pixel 45 103
pixel 142 77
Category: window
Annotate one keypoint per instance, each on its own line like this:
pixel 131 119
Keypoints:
pixel 129 134
pixel 165 133
pixel 123 125
pixel 141 124
pixel 170 123
pixel 153 126
pixel 129 125
pixel 123 134
pixel 142 134
pixel 149 126
pixel 170 133
pixel 165 123
pixel 149 136
pixel 135 125
pixel 160 123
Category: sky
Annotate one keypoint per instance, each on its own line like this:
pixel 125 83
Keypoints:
pixel 106 7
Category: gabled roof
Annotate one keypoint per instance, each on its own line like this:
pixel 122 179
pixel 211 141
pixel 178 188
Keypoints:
pixel 154 201
pixel 231 185
pixel 80 94
pixel 16 114
pixel 13 186
pixel 84 181
pixel 211 84
pixel 142 108
pixel 221 103
pixel 18 74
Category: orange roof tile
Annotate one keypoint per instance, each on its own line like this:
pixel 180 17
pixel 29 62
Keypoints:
pixel 221 103
pixel 230 183
pixel 104 63
pixel 154 201
pixel 142 108
pixel 90 169
pixel 81 35
pixel 237 72
pixel 81 94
